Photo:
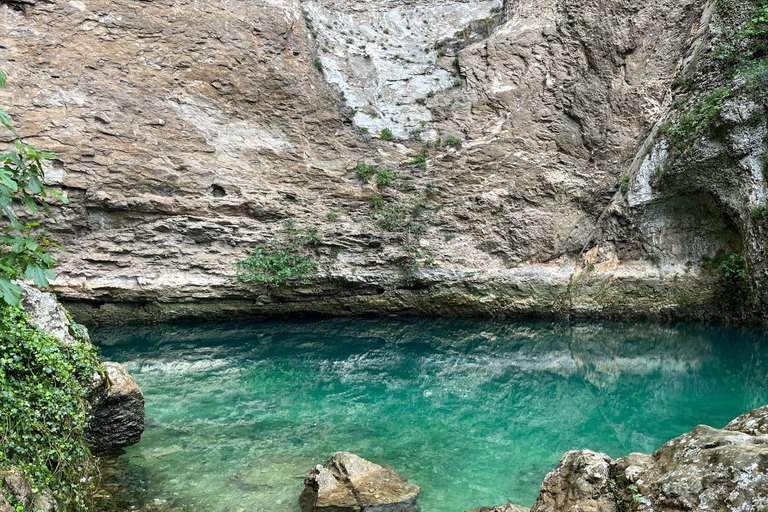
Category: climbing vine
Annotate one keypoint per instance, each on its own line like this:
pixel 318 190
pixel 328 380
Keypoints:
pixel 43 409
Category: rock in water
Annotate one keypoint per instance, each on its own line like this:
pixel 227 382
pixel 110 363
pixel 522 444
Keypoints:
pixel 705 469
pixel 348 483
pixel 117 410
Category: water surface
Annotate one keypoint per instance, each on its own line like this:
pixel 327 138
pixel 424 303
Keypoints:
pixel 474 412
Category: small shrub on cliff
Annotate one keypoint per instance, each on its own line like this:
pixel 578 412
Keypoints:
pixel 365 171
pixel 383 178
pixel 420 160
pixel 625 183
pixel 287 259
pixel 22 246
pixel 733 270
pixel 386 134
pixel 43 389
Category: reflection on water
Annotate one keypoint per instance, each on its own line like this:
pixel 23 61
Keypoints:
pixel 475 412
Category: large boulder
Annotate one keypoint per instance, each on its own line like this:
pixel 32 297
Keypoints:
pixel 117 410
pixel 348 483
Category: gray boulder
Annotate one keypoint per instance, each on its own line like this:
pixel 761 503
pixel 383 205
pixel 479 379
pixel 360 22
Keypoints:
pixel 49 315
pixel 117 410
pixel 117 403
pixel 348 483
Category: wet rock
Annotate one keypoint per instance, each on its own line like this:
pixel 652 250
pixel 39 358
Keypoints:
pixel 348 483
pixel 705 469
pixel 117 410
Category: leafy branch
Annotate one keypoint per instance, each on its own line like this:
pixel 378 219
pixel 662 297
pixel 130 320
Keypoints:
pixel 23 248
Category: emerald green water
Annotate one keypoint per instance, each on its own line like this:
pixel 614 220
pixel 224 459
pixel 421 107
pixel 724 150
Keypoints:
pixel 474 412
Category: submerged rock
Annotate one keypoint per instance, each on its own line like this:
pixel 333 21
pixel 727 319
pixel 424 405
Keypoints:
pixel 348 483
pixel 705 469
pixel 117 413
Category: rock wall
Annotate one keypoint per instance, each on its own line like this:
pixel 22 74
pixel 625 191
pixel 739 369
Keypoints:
pixel 188 132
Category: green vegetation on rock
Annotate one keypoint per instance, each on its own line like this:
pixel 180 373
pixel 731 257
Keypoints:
pixel 287 259
pixel 43 420
pixel 365 171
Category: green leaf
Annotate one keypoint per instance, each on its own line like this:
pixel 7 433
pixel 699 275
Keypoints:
pixel 39 275
pixel 11 292
pixel 3 77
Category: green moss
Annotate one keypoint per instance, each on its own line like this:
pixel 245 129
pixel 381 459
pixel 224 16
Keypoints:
pixel 43 389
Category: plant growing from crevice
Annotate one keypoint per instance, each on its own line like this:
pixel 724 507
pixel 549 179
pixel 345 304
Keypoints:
pixel 453 141
pixel 759 213
pixel 287 259
pixel 386 134
pixel 365 171
pixel 420 160
pixel 383 178
pixel 624 188
pixel 733 270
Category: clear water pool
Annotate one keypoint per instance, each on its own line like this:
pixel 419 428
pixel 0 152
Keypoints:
pixel 474 412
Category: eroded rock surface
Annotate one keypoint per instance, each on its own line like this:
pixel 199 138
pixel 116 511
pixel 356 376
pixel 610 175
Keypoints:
pixel 117 410
pixel 186 133
pixel 348 483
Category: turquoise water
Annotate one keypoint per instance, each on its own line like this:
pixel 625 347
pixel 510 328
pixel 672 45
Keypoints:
pixel 474 412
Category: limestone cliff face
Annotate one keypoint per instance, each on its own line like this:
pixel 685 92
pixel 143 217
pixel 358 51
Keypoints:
pixel 187 132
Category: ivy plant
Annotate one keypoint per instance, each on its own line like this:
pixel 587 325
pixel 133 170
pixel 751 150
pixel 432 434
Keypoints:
pixel 43 409
pixel 23 247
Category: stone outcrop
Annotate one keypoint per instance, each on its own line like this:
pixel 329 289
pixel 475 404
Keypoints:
pixel 348 483
pixel 188 133
pixel 117 414
pixel 705 469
